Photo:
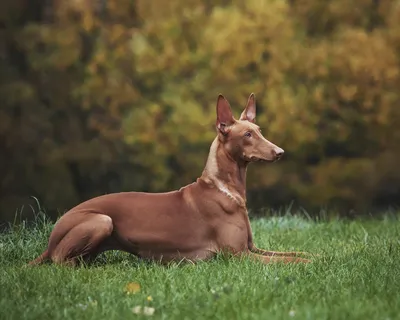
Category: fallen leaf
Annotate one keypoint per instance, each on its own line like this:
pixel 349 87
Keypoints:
pixel 132 288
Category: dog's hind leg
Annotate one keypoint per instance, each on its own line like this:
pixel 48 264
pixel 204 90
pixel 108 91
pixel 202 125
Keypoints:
pixel 82 240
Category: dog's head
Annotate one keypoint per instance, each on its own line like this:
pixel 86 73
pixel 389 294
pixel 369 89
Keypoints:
pixel 242 138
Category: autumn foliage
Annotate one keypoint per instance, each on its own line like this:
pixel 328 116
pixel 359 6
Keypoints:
pixel 102 96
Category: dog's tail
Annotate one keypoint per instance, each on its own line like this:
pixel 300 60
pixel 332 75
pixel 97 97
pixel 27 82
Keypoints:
pixel 39 260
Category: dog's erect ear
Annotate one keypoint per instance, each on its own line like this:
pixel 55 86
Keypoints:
pixel 249 113
pixel 224 115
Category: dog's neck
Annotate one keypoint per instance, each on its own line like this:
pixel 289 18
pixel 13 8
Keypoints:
pixel 226 174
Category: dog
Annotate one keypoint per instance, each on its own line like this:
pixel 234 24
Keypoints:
pixel 194 223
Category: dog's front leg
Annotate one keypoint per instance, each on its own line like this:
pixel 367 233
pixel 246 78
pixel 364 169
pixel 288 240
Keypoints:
pixel 263 252
pixel 274 258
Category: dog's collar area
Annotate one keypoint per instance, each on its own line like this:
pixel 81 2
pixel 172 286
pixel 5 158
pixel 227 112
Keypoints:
pixel 221 187
pixel 225 190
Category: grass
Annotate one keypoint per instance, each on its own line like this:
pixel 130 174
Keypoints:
pixel 357 276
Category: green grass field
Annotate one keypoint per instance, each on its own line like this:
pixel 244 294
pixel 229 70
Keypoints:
pixel 356 276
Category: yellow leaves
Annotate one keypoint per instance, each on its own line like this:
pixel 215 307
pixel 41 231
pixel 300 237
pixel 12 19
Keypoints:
pixel 117 31
pixel 50 47
pixel 87 21
pixel 139 44
pixel 391 74
pixel 132 288
pixel 361 55
pixel 318 95
pixel 247 35
pixel 347 92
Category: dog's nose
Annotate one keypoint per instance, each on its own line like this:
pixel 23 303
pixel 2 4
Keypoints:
pixel 279 152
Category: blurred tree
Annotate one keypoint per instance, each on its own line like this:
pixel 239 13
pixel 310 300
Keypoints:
pixel 66 88
pixel 108 95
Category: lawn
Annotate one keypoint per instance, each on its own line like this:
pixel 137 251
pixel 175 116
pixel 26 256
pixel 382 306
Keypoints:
pixel 356 276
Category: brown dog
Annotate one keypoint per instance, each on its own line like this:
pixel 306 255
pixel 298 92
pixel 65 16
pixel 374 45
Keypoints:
pixel 193 223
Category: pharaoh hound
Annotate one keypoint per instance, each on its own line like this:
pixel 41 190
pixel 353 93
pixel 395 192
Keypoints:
pixel 192 223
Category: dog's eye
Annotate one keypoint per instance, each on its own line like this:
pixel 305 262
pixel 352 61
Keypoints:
pixel 247 134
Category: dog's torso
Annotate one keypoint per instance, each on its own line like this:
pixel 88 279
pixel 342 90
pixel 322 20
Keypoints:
pixel 192 223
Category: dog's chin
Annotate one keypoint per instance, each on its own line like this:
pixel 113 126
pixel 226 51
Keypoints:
pixel 257 159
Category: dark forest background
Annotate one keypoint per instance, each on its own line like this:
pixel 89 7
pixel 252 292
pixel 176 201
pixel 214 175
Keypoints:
pixel 116 95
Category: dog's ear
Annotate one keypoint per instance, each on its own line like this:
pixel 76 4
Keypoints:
pixel 224 115
pixel 249 113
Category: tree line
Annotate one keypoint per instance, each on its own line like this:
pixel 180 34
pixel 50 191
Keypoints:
pixel 101 96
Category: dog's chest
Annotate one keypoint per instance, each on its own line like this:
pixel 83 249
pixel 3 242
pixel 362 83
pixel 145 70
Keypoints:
pixel 233 232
